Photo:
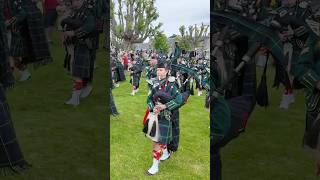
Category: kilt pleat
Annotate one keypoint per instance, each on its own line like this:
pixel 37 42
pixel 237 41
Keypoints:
pixel 81 63
pixel 165 128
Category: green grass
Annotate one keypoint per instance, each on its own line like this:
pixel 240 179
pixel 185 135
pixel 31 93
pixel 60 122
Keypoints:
pixel 271 147
pixel 131 151
pixel 61 142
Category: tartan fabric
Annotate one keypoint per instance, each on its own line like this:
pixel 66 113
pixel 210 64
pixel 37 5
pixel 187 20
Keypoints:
pixel 28 36
pixel 6 77
pixel 84 44
pixel 11 158
pixel 165 129
pixel 136 74
pixel 136 79
pixel 81 63
pixel 119 72
pixel 168 119
pixel 113 107
pixel 174 143
pixel 91 65
pixel 38 44
pixel 312 129
pixel 18 47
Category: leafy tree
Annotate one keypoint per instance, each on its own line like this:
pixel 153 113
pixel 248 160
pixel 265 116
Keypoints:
pixel 190 39
pixel 160 43
pixel 133 20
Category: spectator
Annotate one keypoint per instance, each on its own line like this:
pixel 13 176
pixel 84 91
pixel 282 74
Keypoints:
pixel 50 14
pixel 125 60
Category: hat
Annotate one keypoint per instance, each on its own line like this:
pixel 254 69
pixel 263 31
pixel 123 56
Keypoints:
pixel 162 64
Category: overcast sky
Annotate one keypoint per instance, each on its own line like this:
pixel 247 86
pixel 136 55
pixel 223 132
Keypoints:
pixel 175 13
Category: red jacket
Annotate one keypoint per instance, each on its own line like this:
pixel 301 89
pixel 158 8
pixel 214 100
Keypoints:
pixel 50 4
pixel 125 59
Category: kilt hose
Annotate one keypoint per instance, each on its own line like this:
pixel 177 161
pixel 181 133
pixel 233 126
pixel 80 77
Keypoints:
pixel 11 158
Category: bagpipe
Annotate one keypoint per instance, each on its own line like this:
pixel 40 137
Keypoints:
pixel 254 35
pixel 71 24
pixel 150 120
pixel 135 69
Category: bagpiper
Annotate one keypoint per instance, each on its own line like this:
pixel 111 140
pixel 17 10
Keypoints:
pixel 79 29
pixel 163 102
pixel 307 74
pixel 135 73
pixel 151 71
pixel 11 157
pixel 29 44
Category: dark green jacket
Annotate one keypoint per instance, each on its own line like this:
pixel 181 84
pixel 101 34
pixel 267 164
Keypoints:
pixel 307 70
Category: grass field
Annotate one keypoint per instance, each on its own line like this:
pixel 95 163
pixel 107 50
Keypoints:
pixel 271 147
pixel 131 151
pixel 61 142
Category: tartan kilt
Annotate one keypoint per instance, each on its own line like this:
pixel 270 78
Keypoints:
pixel 174 143
pixel 135 80
pixel 165 130
pixel 11 158
pixel 312 130
pixel 113 107
pixel 82 58
pixel 18 45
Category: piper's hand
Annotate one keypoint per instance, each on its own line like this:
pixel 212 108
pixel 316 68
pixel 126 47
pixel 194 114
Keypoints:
pixel 161 107
pixel 156 110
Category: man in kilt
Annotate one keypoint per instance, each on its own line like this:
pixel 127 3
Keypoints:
pixel 164 102
pixel 201 70
pixel 176 55
pixel 151 71
pixel 113 108
pixel 79 37
pixel 28 43
pixel 307 74
pixel 11 157
pixel 136 71
pixel 100 12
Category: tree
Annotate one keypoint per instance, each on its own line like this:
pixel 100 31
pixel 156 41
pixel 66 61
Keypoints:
pixel 160 43
pixel 133 20
pixel 190 39
pixel 183 39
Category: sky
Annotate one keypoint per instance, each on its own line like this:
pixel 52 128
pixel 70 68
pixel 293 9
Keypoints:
pixel 175 13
